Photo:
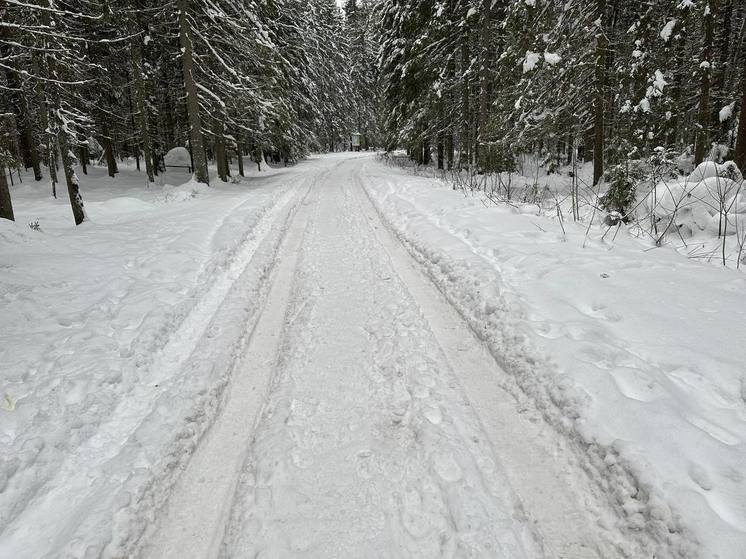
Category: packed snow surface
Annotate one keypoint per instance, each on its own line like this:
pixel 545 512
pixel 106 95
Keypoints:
pixel 366 444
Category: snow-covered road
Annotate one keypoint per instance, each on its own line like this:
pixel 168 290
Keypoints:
pixel 384 430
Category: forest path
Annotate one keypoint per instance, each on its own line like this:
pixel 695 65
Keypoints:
pixel 366 420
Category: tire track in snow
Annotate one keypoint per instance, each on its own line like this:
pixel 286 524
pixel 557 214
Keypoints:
pixel 193 522
pixel 366 447
pixel 633 521
pixel 540 469
pixel 96 458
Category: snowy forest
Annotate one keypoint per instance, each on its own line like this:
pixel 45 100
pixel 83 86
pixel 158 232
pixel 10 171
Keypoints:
pixel 102 81
pixel 366 278
pixel 638 88
pixel 645 91
pixel 611 79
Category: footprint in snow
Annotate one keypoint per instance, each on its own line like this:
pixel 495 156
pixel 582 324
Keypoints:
pixel 447 468
pixel 700 476
pixel 433 415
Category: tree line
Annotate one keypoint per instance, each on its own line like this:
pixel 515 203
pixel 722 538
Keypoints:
pixel 135 78
pixel 481 81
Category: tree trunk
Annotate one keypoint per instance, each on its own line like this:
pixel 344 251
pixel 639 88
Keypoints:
pixel 6 207
pixel 168 121
pixel 220 155
pixel 227 145
pixel 27 143
pixel 138 87
pixel 239 153
pixel 449 149
pixel 192 98
pixel 83 156
pixel 111 162
pixel 465 140
pixel 53 164
pixel 441 150
pixel 484 49
pixel 723 50
pixel 451 73
pixel 73 190
pixel 27 138
pixel 23 121
pixel 740 154
pixel 48 147
pixel 598 102
pixel 705 71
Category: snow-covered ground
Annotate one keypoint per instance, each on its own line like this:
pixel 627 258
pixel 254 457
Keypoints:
pixel 112 363
pixel 264 369
pixel 635 354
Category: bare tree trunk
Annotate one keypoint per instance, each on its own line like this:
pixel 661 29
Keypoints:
pixel 705 71
pixel 6 207
pixel 598 102
pixel 192 98
pixel 138 85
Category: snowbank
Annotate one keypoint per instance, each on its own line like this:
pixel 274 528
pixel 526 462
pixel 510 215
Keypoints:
pixel 112 362
pixel 636 356
pixel 708 203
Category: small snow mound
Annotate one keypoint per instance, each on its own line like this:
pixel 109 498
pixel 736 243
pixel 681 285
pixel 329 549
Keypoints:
pixel 14 233
pixel 709 169
pixel 703 171
pixel 124 204
pixel 694 207
pixel 183 192
pixel 178 156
